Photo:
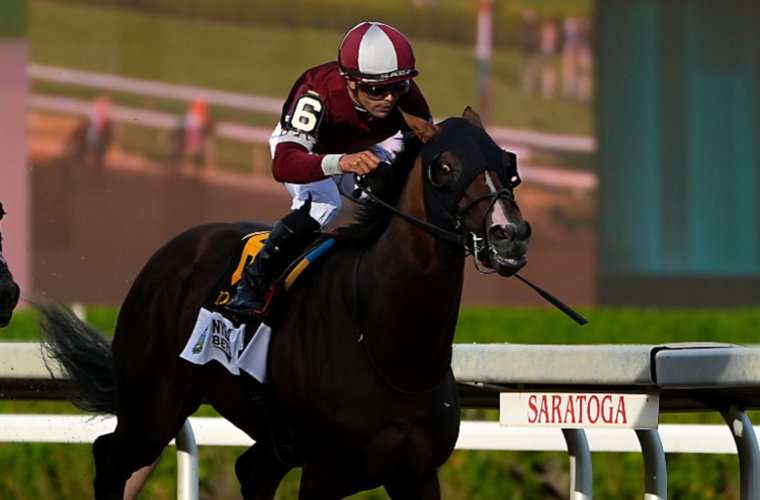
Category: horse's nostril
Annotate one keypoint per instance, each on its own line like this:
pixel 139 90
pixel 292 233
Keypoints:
pixel 499 233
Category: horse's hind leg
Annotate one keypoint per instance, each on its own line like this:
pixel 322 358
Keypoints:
pixel 102 449
pixel 116 457
pixel 138 479
pixel 139 438
pixel 259 472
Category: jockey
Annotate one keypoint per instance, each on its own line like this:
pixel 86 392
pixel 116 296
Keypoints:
pixel 331 124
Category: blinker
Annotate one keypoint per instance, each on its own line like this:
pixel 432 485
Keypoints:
pixel 477 152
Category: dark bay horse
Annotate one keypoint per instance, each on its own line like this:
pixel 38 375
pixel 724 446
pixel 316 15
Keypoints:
pixel 9 290
pixel 360 391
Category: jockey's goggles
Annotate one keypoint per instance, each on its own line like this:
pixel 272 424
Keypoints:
pixel 381 90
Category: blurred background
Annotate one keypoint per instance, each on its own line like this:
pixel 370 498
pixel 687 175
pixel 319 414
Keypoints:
pixel 137 120
pixel 635 123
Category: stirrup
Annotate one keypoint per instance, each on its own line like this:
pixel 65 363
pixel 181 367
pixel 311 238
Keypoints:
pixel 254 309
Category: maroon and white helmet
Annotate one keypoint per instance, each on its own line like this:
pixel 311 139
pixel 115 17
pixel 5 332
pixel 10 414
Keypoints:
pixel 375 53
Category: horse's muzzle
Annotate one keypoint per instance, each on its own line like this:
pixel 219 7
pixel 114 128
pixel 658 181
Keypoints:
pixel 508 245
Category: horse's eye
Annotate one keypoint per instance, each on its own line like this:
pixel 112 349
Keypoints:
pixel 440 173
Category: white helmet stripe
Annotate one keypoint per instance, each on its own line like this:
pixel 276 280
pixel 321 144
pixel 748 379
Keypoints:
pixel 376 53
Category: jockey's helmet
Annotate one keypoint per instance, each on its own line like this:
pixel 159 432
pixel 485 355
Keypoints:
pixel 376 53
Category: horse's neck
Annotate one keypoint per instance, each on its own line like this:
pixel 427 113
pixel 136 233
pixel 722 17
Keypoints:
pixel 412 286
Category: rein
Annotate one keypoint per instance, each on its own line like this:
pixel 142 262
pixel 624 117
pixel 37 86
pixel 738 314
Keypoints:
pixel 471 242
pixel 444 234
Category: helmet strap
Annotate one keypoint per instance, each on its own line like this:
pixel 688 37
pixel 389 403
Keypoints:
pixel 352 93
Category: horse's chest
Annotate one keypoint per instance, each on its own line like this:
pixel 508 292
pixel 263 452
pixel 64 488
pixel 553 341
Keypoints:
pixel 416 434
pixel 393 424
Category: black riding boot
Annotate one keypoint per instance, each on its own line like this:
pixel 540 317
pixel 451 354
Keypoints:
pixel 288 237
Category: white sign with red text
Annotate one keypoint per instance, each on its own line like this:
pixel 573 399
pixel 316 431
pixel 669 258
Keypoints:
pixel 579 409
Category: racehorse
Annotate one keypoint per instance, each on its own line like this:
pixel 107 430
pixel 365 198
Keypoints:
pixel 360 391
pixel 9 290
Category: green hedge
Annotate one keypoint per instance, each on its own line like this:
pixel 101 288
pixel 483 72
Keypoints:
pixel 537 325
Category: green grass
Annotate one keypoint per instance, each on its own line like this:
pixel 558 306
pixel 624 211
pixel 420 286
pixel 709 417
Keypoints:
pixel 447 20
pixel 266 60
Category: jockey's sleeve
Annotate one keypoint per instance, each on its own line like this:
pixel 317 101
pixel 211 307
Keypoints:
pixel 293 140
pixel 293 163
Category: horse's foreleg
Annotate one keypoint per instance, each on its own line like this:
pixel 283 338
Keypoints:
pixel 259 472
pixel 329 480
pixel 426 487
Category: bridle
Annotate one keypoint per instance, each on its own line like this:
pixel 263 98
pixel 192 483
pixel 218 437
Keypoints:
pixel 479 245
pixel 469 241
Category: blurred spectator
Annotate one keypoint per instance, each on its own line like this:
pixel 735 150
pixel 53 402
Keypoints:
pixel 585 59
pixel 550 37
pixel 530 61
pixel 192 132
pixel 571 42
pixel 89 142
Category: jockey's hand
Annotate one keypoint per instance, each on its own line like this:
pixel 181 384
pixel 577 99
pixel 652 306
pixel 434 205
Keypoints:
pixel 360 163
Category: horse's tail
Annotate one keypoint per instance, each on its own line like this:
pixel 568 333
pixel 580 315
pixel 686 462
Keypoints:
pixel 83 355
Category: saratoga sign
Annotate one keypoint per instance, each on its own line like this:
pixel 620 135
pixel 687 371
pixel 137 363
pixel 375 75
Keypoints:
pixel 577 410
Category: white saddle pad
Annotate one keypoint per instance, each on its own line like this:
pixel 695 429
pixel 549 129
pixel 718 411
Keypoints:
pixel 215 338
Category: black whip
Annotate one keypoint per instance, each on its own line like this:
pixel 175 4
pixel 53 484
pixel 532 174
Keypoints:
pixel 555 301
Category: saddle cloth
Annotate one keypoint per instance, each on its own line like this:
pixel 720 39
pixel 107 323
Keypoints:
pixel 242 343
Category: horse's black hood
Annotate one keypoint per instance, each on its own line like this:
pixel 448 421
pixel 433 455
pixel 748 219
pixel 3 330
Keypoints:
pixel 471 143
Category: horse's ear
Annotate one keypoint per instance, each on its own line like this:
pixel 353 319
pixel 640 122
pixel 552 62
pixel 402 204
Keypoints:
pixel 423 129
pixel 472 117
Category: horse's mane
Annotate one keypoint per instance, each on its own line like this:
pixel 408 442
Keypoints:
pixel 371 220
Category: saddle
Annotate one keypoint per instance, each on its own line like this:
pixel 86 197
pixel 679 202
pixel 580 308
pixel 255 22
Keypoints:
pixel 251 245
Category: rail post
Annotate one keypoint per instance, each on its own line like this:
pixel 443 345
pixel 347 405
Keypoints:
pixel 187 463
pixel 746 447
pixel 655 468
pixel 580 464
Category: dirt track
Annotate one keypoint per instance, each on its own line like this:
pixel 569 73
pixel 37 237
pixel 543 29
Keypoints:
pixel 93 230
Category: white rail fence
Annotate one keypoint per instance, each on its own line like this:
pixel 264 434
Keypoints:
pixel 690 377
pixel 272 105
pixel 541 175
pixel 514 139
